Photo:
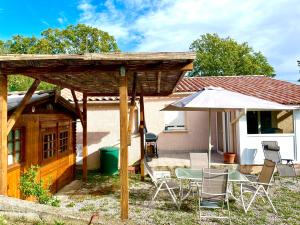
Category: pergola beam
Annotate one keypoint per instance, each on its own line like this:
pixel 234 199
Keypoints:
pixel 18 111
pixel 77 106
pixel 84 138
pixel 3 133
pixel 124 143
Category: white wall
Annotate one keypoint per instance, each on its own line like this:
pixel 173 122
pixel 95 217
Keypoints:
pixel 250 148
pixel 297 134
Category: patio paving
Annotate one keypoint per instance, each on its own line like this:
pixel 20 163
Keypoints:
pixel 171 159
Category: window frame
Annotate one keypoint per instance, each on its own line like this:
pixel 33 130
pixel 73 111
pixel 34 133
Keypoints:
pixel 177 128
pixel 22 146
pixel 260 128
pixel 67 143
pixel 47 131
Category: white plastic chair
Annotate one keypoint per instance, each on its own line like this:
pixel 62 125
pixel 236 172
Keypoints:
pixel 163 182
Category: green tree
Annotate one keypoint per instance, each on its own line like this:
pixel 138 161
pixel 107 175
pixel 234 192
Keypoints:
pixel 216 56
pixel 74 39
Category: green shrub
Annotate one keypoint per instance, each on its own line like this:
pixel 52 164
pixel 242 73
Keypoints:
pixel 30 186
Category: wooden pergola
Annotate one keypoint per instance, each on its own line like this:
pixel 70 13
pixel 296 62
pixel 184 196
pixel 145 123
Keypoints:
pixel 105 74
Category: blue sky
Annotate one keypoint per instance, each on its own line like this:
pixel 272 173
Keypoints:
pixel 271 27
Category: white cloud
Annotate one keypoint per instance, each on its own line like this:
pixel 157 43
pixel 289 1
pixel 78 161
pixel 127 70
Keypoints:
pixel 171 25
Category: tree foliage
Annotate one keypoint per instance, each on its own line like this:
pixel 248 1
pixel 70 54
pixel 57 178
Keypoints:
pixel 74 39
pixel 216 56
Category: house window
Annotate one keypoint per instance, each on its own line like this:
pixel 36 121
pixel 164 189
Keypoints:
pixel 270 122
pixel 15 146
pixel 49 145
pixel 175 120
pixel 63 141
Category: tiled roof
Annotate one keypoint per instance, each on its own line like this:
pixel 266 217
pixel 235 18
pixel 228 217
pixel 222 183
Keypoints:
pixel 66 93
pixel 258 86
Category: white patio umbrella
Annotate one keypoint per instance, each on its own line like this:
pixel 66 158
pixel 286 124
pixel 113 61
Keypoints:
pixel 218 99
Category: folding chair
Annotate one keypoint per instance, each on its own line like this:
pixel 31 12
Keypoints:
pixel 285 167
pixel 198 161
pixel 213 194
pixel 261 186
pixel 163 182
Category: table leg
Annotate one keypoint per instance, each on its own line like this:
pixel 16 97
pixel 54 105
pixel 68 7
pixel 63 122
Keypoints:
pixel 242 198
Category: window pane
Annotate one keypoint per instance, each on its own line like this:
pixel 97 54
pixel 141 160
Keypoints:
pixel 10 136
pixel 175 120
pixel 17 134
pixel 17 159
pixel 270 122
pixel 10 148
pixel 10 159
pixel 17 146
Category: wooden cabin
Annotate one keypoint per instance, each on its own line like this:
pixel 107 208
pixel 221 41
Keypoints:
pixel 44 135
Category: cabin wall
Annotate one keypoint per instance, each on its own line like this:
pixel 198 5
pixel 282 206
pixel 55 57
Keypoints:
pixel 56 173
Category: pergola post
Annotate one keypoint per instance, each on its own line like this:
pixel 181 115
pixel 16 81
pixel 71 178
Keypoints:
pixel 132 108
pixel 124 143
pixel 84 138
pixel 142 136
pixel 3 134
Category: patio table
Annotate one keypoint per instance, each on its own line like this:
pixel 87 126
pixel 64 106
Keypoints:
pixel 195 175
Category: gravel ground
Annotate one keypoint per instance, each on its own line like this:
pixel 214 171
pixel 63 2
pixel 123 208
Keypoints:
pixel 101 196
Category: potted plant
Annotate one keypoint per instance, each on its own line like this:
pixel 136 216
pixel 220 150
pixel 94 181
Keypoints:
pixel 229 157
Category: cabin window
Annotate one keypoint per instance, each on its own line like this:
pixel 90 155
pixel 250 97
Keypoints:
pixel 270 122
pixel 15 146
pixel 49 145
pixel 63 141
pixel 175 120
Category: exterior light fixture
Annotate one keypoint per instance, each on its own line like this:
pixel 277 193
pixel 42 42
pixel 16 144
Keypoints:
pixel 122 71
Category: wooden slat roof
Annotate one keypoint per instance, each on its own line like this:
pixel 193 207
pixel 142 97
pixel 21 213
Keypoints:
pixel 98 74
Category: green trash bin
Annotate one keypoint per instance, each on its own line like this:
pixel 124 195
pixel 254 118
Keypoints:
pixel 109 160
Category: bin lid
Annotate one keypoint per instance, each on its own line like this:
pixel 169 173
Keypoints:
pixel 109 148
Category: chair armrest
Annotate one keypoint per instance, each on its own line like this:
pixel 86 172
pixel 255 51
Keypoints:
pixel 288 161
pixel 259 183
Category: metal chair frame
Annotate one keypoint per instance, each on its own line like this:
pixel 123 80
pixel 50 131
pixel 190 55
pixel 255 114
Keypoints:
pixel 260 188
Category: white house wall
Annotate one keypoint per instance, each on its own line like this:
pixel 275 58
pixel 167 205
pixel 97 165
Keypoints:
pixel 297 134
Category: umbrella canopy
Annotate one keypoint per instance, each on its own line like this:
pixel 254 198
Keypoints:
pixel 219 99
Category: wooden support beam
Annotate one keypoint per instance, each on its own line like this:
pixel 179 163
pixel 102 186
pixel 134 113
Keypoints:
pixel 18 111
pixel 3 134
pixel 132 108
pixel 77 106
pixel 158 81
pixel 123 143
pixel 142 136
pixel 188 67
pixel 84 138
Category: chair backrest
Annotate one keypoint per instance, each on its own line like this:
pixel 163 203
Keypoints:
pixel 199 160
pixel 271 151
pixel 267 172
pixel 214 184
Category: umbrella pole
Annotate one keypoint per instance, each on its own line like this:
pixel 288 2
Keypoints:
pixel 209 137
